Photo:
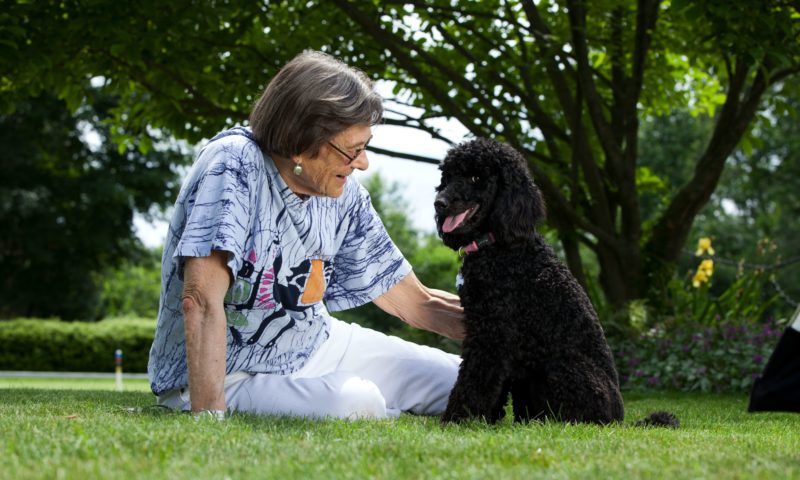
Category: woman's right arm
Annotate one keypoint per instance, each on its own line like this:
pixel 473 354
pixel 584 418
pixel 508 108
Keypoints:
pixel 206 280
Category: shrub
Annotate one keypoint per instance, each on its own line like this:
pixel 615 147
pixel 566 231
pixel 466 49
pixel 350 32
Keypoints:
pixel 697 341
pixel 723 357
pixel 51 345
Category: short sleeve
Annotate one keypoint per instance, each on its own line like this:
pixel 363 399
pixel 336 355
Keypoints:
pixel 219 203
pixel 368 263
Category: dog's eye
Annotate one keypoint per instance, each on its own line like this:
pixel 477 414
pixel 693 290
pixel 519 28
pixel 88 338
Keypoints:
pixel 474 179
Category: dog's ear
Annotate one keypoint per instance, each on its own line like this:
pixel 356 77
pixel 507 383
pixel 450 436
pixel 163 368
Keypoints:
pixel 519 205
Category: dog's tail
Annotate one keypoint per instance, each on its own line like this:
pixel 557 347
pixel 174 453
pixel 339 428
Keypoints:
pixel 659 419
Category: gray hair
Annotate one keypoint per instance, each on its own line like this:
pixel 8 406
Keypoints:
pixel 310 100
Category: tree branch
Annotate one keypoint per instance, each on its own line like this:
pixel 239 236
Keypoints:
pixel 577 18
pixel 460 10
pixel 199 103
pixel 542 33
pixel 405 61
pixel 646 16
pixel 617 54
pixel 419 125
pixel 669 234
pixel 528 99
pixel 407 156
pixel 562 208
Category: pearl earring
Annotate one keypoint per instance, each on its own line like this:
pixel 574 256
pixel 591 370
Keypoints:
pixel 298 169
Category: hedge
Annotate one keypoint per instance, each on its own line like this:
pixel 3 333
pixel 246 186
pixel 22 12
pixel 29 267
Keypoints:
pixel 52 345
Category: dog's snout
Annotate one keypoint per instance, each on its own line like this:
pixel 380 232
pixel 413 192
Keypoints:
pixel 440 203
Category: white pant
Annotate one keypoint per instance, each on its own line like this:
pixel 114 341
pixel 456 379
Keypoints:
pixel 356 373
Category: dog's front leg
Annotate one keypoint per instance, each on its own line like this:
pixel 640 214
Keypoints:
pixel 481 389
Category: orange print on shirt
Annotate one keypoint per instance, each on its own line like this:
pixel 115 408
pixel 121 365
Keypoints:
pixel 315 284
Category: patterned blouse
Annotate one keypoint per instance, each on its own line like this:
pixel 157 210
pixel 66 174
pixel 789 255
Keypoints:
pixel 293 260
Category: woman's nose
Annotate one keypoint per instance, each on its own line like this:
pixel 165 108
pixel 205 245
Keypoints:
pixel 361 162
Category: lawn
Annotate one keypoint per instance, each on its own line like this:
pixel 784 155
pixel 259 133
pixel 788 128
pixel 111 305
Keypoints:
pixel 83 429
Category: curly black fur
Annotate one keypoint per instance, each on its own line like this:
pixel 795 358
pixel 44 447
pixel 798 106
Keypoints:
pixel 531 329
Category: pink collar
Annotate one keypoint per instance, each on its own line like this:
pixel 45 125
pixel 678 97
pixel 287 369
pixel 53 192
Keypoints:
pixel 472 247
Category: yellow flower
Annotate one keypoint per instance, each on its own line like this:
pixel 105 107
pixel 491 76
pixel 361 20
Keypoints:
pixel 704 246
pixel 707 267
pixel 699 278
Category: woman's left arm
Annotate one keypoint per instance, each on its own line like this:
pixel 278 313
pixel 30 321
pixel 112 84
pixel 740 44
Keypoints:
pixel 425 308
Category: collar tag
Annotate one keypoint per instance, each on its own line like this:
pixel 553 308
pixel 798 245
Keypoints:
pixel 459 280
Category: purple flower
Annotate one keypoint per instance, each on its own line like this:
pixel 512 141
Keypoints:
pixel 730 332
pixel 758 359
pixel 653 381
pixel 633 361
pixel 770 332
pixel 638 373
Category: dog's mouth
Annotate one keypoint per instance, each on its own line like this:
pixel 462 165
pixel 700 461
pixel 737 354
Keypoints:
pixel 451 222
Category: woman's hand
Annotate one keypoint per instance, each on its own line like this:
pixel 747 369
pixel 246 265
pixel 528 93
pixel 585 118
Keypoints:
pixel 425 308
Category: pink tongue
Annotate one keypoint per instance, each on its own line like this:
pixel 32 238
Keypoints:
pixel 453 221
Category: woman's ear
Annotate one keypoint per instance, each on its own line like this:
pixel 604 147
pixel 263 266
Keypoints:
pixel 519 205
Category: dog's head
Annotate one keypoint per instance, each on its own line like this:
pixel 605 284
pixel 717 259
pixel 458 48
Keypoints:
pixel 486 188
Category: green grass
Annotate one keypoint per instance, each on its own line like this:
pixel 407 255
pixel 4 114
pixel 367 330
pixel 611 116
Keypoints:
pixel 67 432
pixel 129 385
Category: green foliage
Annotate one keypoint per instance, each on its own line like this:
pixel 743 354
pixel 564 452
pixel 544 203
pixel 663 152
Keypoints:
pixel 741 303
pixel 517 71
pixel 67 199
pixel 50 345
pixel 567 83
pixel 696 357
pixel 669 145
pixel 752 216
pixel 691 300
pixel 190 67
pixel 133 287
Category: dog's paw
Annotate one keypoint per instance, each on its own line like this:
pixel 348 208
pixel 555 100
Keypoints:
pixel 454 415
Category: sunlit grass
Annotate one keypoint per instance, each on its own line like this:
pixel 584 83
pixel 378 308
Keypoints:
pixel 90 433
pixel 109 384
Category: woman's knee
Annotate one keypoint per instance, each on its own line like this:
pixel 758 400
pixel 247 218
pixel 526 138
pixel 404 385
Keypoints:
pixel 358 398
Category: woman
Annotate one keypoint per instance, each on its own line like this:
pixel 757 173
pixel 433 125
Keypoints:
pixel 268 224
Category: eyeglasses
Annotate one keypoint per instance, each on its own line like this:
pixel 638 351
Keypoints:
pixel 351 158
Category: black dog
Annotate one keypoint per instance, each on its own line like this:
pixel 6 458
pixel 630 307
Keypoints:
pixel 531 329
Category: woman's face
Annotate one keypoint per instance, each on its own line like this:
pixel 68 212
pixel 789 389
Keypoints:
pixel 325 175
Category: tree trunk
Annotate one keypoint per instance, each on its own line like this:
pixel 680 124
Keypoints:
pixel 574 261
